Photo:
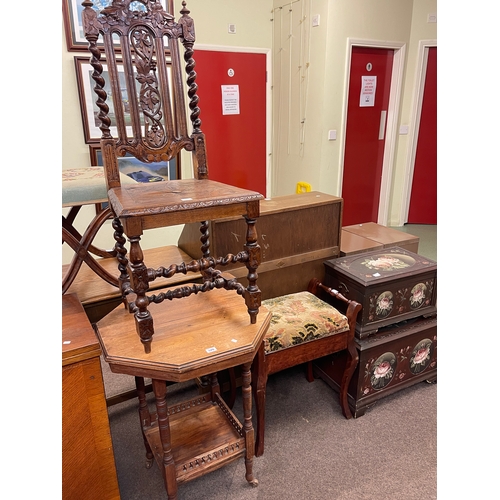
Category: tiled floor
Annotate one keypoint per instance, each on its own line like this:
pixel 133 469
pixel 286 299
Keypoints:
pixel 427 233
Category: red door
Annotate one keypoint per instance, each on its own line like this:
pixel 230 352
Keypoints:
pixel 236 141
pixel 423 200
pixel 368 103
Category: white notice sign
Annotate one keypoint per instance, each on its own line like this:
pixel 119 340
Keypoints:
pixel 368 88
pixel 230 99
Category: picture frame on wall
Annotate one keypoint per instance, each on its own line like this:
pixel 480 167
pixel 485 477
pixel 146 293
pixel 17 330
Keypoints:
pixel 90 112
pixel 138 170
pixel 72 17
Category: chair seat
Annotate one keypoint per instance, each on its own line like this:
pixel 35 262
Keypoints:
pixel 86 185
pixel 182 195
pixel 298 318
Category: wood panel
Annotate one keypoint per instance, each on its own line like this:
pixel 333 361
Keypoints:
pixel 88 466
pixel 386 237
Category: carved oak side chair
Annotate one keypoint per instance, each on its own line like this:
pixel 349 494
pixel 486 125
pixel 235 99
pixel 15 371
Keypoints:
pixel 142 50
pixel 200 329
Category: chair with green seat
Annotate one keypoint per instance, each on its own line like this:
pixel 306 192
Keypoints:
pixel 81 187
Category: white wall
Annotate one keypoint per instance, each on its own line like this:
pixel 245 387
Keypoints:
pixel 302 151
pixel 301 120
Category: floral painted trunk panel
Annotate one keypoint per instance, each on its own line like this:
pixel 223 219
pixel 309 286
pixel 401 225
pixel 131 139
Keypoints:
pixel 397 357
pixel 392 284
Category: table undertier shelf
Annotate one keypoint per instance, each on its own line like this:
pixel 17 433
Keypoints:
pixel 205 436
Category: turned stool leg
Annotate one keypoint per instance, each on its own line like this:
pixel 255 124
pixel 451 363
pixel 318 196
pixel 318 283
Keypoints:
pixel 169 475
pixel 350 367
pixel 83 248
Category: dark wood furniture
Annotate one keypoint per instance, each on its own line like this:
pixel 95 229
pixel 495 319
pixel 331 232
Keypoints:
pixel 396 333
pixel 397 357
pixel 318 331
pixel 199 328
pixel 392 285
pixel 197 436
pixel 144 45
pixel 99 297
pixel 292 248
pixel 88 464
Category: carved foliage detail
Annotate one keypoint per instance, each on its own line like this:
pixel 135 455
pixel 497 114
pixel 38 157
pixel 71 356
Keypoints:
pixel 90 21
pixel 129 11
pixel 149 96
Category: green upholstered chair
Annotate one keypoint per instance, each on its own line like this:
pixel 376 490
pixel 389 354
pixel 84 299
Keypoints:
pixel 80 187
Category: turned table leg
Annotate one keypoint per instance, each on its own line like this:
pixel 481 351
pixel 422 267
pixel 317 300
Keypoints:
pixel 145 418
pixel 169 475
pixel 247 423
pixel 259 381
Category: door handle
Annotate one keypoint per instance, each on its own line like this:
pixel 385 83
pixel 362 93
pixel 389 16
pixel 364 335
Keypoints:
pixel 381 130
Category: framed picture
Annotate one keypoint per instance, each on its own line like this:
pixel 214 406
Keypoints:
pixel 88 106
pixel 72 16
pixel 138 170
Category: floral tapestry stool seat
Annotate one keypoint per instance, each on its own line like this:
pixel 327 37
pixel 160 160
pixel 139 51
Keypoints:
pixel 303 328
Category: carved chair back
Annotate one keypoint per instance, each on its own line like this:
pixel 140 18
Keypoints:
pixel 142 73
pixel 142 45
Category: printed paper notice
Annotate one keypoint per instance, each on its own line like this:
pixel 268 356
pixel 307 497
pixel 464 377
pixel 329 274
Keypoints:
pixel 230 99
pixel 368 88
